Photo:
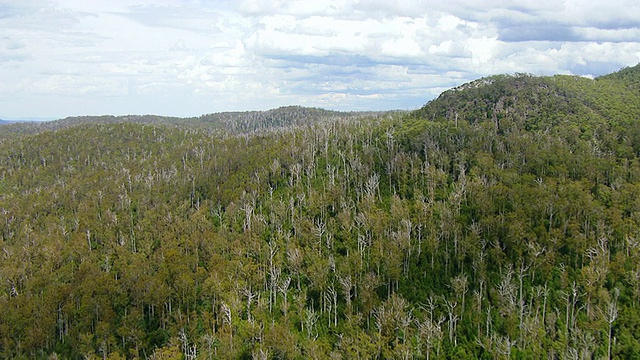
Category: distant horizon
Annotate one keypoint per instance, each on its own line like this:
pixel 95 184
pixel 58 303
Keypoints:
pixel 64 57
pixel 35 119
pixel 26 119
pixel 43 119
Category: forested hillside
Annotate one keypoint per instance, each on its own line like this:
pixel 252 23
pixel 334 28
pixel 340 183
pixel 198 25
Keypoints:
pixel 227 122
pixel 501 220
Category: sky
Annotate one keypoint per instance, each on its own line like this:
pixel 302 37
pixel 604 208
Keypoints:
pixel 192 57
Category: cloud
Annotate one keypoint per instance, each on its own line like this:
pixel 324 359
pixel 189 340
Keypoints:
pixel 13 50
pixel 195 56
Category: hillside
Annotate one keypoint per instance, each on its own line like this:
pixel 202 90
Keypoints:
pixel 541 102
pixel 228 122
pixel 500 220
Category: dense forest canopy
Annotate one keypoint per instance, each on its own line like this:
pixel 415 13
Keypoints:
pixel 501 220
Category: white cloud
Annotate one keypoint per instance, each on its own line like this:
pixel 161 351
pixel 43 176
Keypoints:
pixel 12 50
pixel 196 56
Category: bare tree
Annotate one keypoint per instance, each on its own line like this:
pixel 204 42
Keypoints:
pixel 347 285
pixel 610 314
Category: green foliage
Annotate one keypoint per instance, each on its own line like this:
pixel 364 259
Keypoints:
pixel 499 221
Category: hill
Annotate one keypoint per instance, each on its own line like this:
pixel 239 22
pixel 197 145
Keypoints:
pixel 500 220
pixel 537 102
pixel 228 122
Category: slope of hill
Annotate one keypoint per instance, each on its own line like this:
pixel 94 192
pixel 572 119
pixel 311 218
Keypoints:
pixel 250 121
pixel 228 122
pixel 501 220
pixel 541 102
pixel 603 111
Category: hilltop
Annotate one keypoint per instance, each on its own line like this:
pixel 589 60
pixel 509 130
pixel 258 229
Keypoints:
pixel 539 102
pixel 500 220
pixel 228 122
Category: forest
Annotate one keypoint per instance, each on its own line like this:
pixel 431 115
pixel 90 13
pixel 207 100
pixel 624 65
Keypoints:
pixel 499 221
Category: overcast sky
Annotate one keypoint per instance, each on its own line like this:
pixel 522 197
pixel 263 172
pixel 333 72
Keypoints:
pixel 191 57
